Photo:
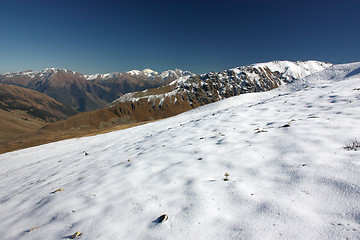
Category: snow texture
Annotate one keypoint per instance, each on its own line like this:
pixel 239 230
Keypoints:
pixel 289 174
pixel 294 70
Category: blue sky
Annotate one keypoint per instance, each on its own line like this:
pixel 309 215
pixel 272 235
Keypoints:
pixel 199 36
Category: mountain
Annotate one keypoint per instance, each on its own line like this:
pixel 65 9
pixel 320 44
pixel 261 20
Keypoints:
pixel 24 111
pixel 88 92
pixel 136 80
pixel 211 87
pixel 191 91
pixel 290 176
pixel 34 103
pixel 67 87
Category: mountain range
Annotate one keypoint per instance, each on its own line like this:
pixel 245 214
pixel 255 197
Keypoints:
pixel 191 91
pixel 88 92
pixel 115 101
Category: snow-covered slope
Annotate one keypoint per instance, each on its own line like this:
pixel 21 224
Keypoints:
pixel 294 70
pixel 335 73
pixel 289 174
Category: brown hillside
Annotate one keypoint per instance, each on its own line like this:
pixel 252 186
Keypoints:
pixel 33 103
pixel 73 90
pixel 122 113
pixel 16 123
pixel 23 113
pixel 35 137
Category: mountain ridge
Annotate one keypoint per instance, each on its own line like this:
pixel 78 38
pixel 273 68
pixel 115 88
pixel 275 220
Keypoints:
pixel 191 91
pixel 234 81
pixel 102 76
pixel 87 92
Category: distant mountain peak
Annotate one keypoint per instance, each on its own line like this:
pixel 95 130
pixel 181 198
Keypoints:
pixel 148 71
pixel 32 74
pixel 27 73
pixel 134 72
pixel 56 70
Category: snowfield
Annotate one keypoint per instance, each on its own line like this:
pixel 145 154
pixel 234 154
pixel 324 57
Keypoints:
pixel 289 174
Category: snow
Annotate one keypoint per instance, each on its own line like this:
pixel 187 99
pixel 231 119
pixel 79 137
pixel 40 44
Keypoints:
pixel 295 182
pixel 296 70
pixel 33 74
pixel 126 97
pixel 104 76
pixel 180 80
pixel 177 73
pixel 56 70
pixel 92 76
pixel 168 73
pixel 146 72
pixel 134 72
pixel 27 73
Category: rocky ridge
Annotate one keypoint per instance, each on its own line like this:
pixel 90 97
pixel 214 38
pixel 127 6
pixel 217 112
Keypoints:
pixel 199 90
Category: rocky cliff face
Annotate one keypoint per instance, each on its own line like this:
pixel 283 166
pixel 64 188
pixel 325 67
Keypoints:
pixel 191 91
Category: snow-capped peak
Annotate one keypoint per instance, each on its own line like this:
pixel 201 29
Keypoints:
pixel 149 72
pixel 33 74
pixel 27 73
pixel 174 74
pixel 51 70
pixel 146 72
pixel 104 76
pixel 134 72
pixel 57 70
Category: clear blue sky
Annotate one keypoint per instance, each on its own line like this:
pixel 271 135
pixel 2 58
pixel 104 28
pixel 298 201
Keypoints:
pixel 200 36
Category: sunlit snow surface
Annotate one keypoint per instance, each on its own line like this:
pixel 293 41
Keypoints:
pixel 295 182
